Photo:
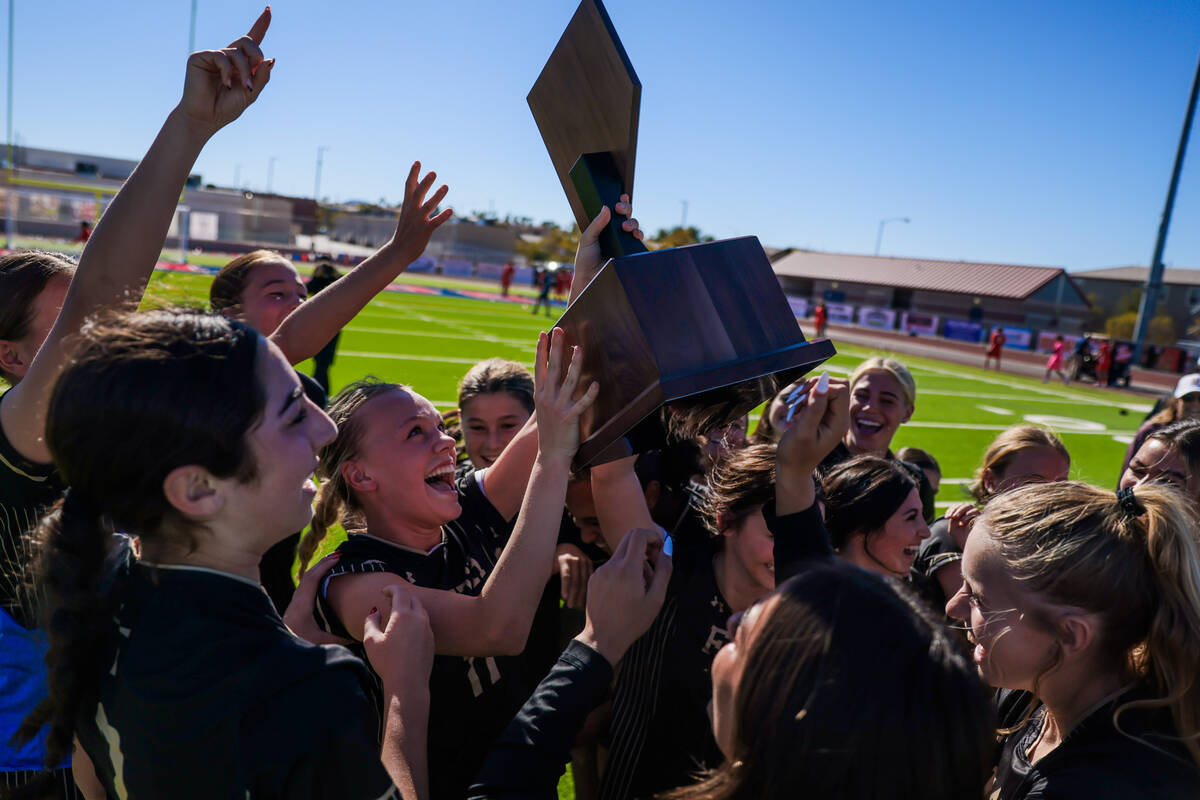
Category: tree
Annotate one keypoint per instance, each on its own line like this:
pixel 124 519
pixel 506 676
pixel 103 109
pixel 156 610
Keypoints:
pixel 555 244
pixel 1160 331
pixel 677 236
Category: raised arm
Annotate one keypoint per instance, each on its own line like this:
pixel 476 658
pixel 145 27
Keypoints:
pixel 620 501
pixel 497 621
pixel 310 327
pixel 121 253
pixel 504 482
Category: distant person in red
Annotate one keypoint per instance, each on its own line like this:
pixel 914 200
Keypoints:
pixel 1103 363
pixel 85 231
pixel 506 278
pixel 995 346
pixel 821 318
pixel 562 283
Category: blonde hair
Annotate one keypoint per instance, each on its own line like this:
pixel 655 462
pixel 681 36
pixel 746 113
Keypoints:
pixel 892 367
pixel 1007 446
pixel 1076 545
pixel 335 500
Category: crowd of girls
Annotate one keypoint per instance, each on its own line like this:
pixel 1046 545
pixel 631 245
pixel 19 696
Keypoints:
pixel 776 615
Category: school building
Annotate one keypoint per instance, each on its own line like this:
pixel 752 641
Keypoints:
pixel 1120 288
pixel 956 299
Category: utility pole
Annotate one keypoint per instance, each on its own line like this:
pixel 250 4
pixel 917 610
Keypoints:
pixel 271 173
pixel 11 197
pixel 317 182
pixel 1153 285
pixel 683 217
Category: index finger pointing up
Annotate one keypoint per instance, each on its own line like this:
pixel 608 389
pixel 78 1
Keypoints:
pixel 259 29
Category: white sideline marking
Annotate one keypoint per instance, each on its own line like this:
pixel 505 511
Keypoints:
pixel 1123 439
pixel 971 426
pixel 1003 412
pixel 1065 423
pixel 430 334
pixel 1078 398
pixel 414 357
pixel 958 481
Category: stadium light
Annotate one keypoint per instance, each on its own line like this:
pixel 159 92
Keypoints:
pixel 882 222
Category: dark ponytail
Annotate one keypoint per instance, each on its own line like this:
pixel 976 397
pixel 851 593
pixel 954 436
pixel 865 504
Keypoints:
pixel 142 395
pixel 73 542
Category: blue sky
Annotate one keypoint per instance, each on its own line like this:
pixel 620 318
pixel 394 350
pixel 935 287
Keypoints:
pixel 1036 132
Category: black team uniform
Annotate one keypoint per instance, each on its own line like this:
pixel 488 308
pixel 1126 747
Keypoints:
pixel 205 694
pixel 27 489
pixel 528 760
pixel 660 732
pixel 471 699
pixel 1097 760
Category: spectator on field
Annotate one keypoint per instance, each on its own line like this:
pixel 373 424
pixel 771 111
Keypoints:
pixel 821 318
pixel 543 298
pixel 323 275
pixel 1103 363
pixel 506 278
pixel 85 232
pixel 1055 362
pixel 995 347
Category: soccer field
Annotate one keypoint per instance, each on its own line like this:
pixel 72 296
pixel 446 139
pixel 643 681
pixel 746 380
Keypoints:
pixel 429 341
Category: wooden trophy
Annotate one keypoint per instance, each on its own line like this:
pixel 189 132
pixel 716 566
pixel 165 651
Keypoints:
pixel 682 340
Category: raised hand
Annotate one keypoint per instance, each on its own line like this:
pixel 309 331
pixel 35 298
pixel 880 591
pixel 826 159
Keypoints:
pixel 962 518
pixel 299 614
pixel 220 84
pixel 558 409
pixel 626 594
pixel 415 225
pixel 588 259
pixel 816 419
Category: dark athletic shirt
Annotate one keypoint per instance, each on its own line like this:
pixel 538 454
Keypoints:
pixel 528 759
pixel 1095 761
pixel 205 694
pixel 471 699
pixel 660 732
pixel 26 490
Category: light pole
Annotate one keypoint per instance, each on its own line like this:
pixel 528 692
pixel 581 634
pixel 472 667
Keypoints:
pixel 317 181
pixel 683 217
pixel 10 197
pixel 882 222
pixel 271 173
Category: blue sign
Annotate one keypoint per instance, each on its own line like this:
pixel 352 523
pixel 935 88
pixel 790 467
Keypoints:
pixel 963 331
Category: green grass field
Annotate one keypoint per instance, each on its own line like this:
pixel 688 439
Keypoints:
pixel 430 341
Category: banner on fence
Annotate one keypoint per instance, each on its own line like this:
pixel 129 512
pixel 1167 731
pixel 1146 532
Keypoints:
pixel 963 331
pixel 1018 338
pixel 841 313
pixel 883 319
pixel 799 305
pixel 920 324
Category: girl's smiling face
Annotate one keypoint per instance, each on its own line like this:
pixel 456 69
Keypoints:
pixel 878 406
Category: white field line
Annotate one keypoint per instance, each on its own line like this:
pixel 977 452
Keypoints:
pixel 1003 412
pixel 971 426
pixel 415 357
pixel 493 317
pixel 432 335
pixel 1009 384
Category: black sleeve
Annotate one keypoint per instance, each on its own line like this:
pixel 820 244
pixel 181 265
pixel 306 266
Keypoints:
pixel 528 759
pixel 799 538
pixel 318 739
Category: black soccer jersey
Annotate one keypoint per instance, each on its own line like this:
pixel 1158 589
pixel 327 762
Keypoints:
pixel 206 694
pixel 661 734
pixel 26 490
pixel 471 699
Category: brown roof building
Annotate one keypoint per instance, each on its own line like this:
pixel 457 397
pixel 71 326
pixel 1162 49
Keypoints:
pixel 1037 298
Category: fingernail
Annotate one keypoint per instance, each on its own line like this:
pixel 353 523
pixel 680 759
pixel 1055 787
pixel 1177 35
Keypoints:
pixel 249 85
pixel 791 413
pixel 823 383
pixel 669 545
